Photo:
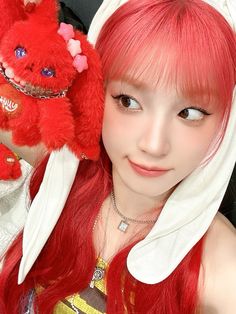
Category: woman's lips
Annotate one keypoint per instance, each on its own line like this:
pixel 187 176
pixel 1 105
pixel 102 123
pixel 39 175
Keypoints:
pixel 147 171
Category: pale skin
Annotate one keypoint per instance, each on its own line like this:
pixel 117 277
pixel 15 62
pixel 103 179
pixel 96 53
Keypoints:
pixel 32 155
pixel 153 132
pixel 140 134
pixel 217 282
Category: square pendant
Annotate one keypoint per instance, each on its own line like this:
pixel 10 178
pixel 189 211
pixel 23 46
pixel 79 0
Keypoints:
pixel 123 226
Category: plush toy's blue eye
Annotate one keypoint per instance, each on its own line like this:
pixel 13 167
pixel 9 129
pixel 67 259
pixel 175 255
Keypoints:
pixel 20 52
pixel 47 72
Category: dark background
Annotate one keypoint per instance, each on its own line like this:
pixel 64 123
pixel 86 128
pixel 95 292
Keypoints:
pixel 80 13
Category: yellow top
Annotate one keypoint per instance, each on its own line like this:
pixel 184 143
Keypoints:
pixel 90 301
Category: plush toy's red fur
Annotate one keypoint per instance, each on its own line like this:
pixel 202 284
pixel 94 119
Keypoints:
pixel 10 167
pixel 74 120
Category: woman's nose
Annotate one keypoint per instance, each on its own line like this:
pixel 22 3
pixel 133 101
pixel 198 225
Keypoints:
pixel 155 138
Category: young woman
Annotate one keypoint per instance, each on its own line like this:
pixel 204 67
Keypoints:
pixel 139 232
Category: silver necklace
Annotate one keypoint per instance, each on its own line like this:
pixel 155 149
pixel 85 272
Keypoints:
pixel 125 221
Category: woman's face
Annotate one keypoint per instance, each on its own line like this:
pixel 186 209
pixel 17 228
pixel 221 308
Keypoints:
pixel 155 138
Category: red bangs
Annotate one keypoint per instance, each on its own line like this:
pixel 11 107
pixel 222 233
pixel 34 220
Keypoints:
pixel 184 44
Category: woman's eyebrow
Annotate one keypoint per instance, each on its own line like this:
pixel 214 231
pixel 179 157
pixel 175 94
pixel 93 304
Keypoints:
pixel 134 82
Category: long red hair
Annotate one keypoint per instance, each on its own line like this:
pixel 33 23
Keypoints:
pixel 66 263
pixel 133 39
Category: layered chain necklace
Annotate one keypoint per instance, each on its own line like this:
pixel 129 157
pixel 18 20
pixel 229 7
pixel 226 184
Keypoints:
pixel 125 221
pixel 100 268
pixel 99 271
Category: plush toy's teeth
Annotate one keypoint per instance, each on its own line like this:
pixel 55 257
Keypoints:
pixel 27 88
pixel 17 79
pixel 22 82
pixel 5 65
pixel 9 73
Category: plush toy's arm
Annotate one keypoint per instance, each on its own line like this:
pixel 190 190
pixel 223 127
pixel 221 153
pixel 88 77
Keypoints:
pixel 56 123
pixel 87 133
pixel 23 134
pixel 48 121
pixel 24 122
pixel 10 167
pixel 87 97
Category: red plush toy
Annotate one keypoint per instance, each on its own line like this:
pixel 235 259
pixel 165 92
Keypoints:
pixel 10 167
pixel 51 87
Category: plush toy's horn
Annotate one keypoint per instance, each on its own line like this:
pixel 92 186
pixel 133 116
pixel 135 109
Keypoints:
pixel 11 11
pixel 44 9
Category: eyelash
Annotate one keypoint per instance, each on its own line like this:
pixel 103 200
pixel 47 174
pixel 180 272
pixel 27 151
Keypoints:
pixel 199 109
pixel 122 107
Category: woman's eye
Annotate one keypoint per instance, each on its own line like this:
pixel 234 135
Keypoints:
pixel 193 114
pixel 20 52
pixel 127 102
pixel 47 72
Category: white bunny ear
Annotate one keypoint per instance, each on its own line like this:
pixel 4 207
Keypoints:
pixel 227 8
pixel 187 214
pixel 47 206
pixel 104 12
pixel 174 234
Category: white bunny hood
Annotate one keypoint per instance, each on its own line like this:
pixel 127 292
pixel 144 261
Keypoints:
pixel 173 236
